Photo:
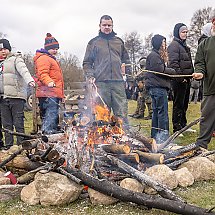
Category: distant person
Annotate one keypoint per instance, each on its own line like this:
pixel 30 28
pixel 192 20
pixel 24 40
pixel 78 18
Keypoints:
pixel 104 56
pixel 194 90
pixel 158 86
pixel 143 98
pixel 16 77
pixel 1 96
pixel 50 89
pixel 180 60
pixel 205 69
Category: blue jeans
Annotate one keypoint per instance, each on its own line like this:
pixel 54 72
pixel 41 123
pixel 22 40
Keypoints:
pixel 160 118
pixel 49 112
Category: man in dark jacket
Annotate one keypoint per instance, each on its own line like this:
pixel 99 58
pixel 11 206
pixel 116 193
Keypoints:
pixel 180 60
pixel 105 54
pixel 205 68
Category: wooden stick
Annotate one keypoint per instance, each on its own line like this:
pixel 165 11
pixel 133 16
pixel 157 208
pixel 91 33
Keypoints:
pixel 129 158
pixel 159 73
pixel 172 137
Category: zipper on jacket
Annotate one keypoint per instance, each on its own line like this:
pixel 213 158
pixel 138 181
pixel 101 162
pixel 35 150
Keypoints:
pixel 110 59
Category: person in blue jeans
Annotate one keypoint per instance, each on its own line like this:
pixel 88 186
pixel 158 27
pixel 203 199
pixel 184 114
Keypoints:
pixel 158 86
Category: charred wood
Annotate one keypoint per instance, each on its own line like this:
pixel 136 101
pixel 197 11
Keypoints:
pixel 143 178
pixel 125 195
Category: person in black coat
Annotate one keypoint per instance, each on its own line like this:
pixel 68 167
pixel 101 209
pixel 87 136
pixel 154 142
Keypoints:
pixel 180 60
pixel 158 86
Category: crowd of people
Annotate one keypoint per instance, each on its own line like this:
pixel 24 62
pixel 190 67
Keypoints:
pixel 104 65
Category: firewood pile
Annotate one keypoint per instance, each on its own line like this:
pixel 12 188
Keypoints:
pixel 108 160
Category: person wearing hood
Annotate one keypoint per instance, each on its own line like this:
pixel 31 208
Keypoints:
pixel 1 96
pixel 206 32
pixel 105 54
pixel 205 70
pixel 180 60
pixel 13 90
pixel 158 86
pixel 50 84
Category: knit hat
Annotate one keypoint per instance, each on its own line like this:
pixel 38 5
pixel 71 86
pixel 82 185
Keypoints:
pixel 206 29
pixel 4 43
pixel 50 42
pixel 212 15
pixel 157 40
pixel 178 29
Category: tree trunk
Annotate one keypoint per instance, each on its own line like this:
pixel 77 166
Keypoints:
pixel 125 195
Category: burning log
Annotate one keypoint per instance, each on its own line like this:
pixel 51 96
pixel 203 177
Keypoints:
pixel 154 158
pixel 125 195
pixel 150 143
pixel 116 148
pixel 143 178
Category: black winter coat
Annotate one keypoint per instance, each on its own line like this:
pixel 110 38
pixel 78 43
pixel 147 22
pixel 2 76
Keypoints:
pixel 180 58
pixel 154 62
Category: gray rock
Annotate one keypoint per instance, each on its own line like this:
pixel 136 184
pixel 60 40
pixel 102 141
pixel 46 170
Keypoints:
pixel 98 198
pixel 201 168
pixel 162 174
pixel 9 192
pixel 184 177
pixel 132 184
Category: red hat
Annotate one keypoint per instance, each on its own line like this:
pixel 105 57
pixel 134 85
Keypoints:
pixel 50 42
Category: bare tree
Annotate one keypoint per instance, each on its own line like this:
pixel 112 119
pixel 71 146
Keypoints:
pixel 133 44
pixel 199 19
pixel 147 47
pixel 2 35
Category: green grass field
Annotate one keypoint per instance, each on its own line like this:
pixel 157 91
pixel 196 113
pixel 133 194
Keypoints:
pixel 200 194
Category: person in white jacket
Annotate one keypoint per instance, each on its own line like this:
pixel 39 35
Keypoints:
pixel 15 78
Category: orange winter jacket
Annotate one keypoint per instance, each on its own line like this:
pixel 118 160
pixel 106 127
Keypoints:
pixel 48 70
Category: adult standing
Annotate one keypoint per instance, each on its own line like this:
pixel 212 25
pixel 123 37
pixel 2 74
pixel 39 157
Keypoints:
pixel 50 89
pixel 16 77
pixel 158 86
pixel 205 69
pixel 180 60
pixel 1 96
pixel 104 56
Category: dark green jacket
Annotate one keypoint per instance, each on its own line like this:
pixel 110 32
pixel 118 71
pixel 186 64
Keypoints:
pixel 104 57
pixel 205 63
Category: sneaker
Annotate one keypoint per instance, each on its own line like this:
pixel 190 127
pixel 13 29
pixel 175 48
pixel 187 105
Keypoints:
pixel 138 116
pixel 191 130
pixel 180 135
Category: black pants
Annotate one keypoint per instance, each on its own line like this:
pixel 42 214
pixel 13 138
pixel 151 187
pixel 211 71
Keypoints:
pixel 12 114
pixel 1 135
pixel 181 92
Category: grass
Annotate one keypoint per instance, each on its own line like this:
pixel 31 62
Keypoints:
pixel 200 194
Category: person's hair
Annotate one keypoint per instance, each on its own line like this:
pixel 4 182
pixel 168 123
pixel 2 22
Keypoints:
pixel 106 17
pixel 163 53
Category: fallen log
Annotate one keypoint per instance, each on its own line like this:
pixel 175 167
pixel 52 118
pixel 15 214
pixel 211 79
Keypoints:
pixel 143 178
pixel 154 158
pixel 125 195
pixel 116 148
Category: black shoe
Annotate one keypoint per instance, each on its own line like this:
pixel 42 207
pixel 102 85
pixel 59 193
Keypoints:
pixel 138 116
pixel 131 115
pixel 6 147
pixel 147 117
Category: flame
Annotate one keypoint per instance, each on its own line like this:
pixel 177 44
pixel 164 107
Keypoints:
pixel 102 113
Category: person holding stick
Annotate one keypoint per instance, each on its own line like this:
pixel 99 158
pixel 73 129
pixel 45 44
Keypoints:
pixel 180 60
pixel 158 86
pixel 205 69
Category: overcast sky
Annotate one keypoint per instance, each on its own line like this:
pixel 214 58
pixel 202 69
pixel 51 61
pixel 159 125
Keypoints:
pixel 74 22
